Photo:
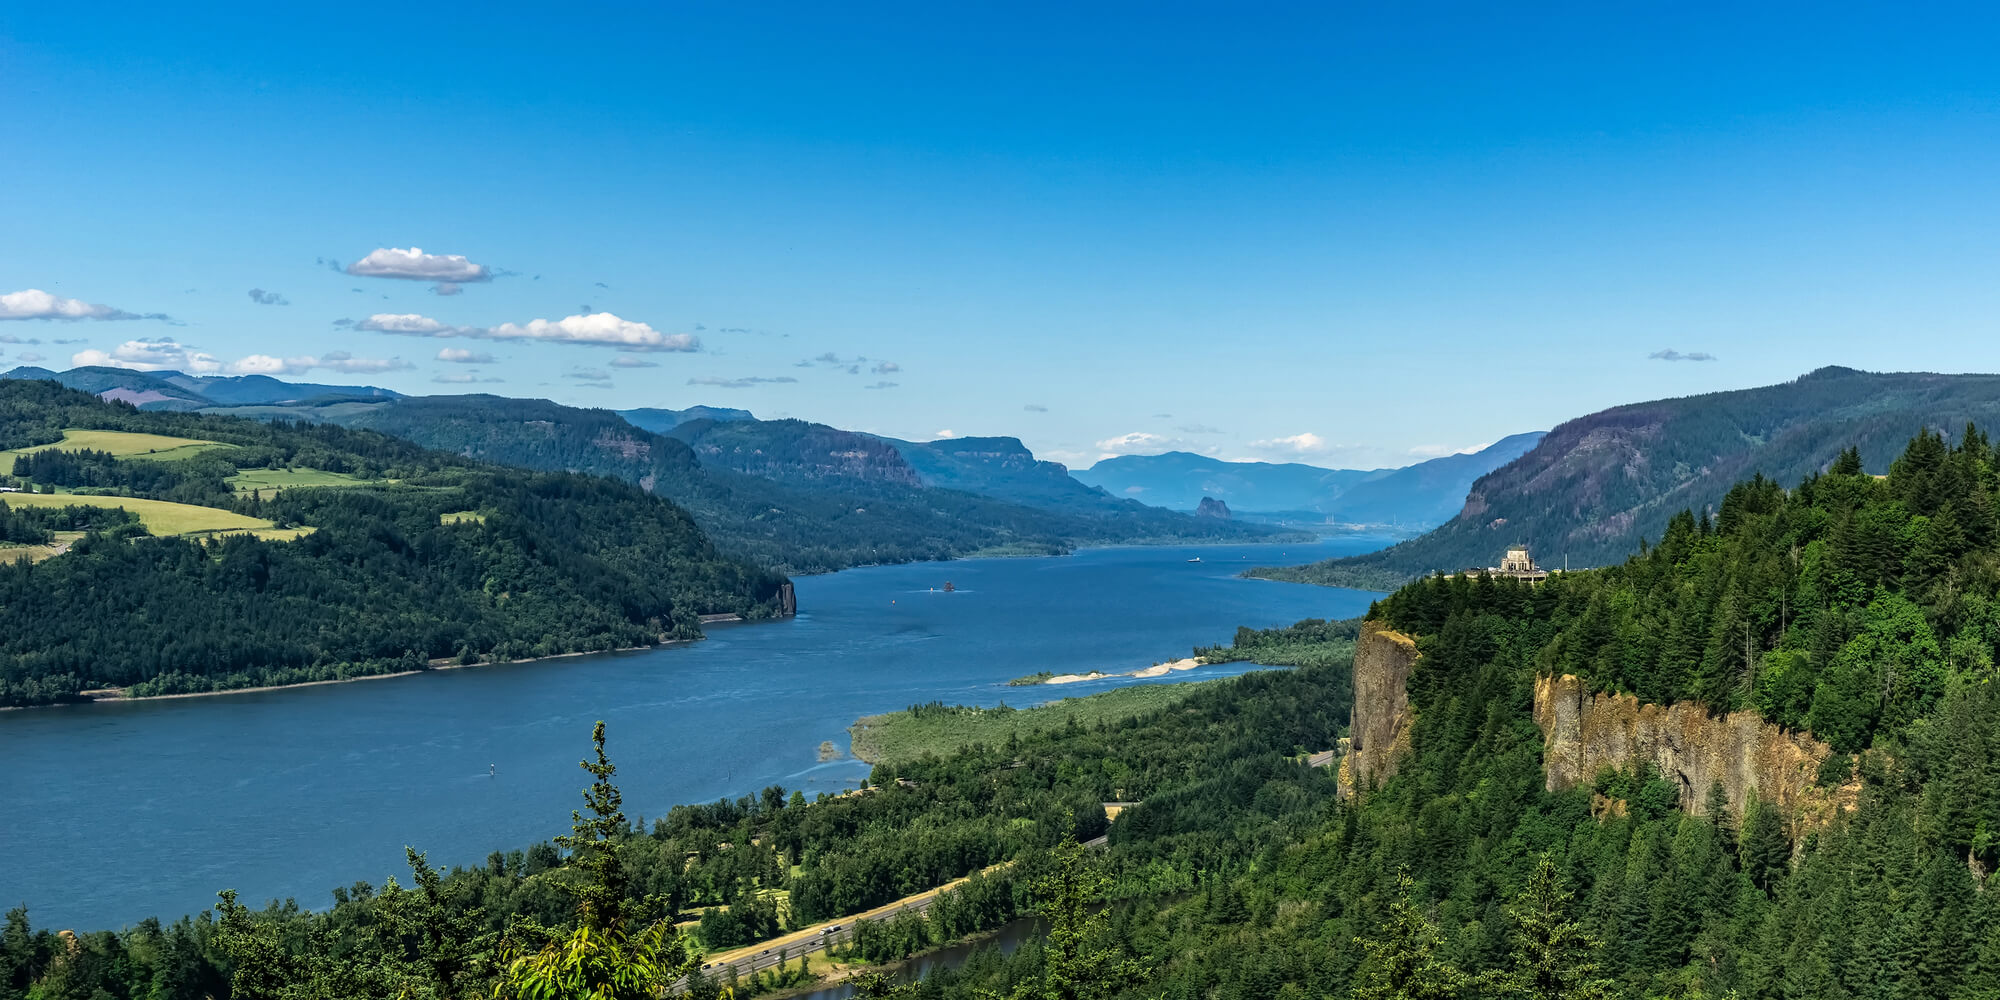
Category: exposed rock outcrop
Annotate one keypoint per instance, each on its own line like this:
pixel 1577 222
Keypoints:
pixel 1585 733
pixel 1379 732
pixel 1211 507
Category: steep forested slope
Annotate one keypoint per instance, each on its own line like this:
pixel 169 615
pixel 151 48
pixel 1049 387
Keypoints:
pixel 1597 485
pixel 803 497
pixel 1862 607
pixel 420 555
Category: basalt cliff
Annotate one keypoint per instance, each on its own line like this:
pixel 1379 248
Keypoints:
pixel 1585 734
pixel 1379 732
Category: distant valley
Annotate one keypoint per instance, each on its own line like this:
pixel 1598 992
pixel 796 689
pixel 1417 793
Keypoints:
pixel 803 497
pixel 1414 497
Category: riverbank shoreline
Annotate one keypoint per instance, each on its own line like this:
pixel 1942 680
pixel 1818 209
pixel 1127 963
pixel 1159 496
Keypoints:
pixel 96 696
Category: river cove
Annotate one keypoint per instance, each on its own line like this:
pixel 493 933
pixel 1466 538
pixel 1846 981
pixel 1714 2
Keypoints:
pixel 121 810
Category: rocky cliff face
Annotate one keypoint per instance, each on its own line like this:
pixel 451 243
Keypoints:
pixel 1585 734
pixel 1379 733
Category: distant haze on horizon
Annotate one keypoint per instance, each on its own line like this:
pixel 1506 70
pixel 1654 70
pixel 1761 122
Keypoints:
pixel 1350 239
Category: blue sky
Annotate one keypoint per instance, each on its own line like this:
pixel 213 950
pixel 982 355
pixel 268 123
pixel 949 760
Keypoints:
pixel 1339 234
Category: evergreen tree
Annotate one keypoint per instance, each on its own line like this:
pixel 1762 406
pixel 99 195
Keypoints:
pixel 1554 958
pixel 1402 962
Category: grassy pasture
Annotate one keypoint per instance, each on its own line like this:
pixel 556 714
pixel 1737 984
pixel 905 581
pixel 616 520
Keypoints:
pixel 163 517
pixel 894 737
pixel 249 480
pixel 125 444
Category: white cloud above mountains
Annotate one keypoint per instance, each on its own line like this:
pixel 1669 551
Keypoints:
pixel 739 383
pixel 414 264
pixel 464 356
pixel 33 303
pixel 601 329
pixel 167 354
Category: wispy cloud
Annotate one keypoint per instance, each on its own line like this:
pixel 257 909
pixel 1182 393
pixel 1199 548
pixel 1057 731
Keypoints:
pixel 1146 443
pixel 1669 354
pixel 165 353
pixel 1035 408
pixel 882 385
pixel 28 357
pixel 1198 429
pixel 628 361
pixel 464 379
pixel 589 375
pixel 886 368
pixel 264 298
pixel 415 265
pixel 33 303
pixel 464 356
pixel 738 383
pixel 593 330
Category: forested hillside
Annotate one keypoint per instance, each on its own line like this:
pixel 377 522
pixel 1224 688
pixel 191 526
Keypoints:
pixel 1861 607
pixel 1597 485
pixel 802 497
pixel 402 555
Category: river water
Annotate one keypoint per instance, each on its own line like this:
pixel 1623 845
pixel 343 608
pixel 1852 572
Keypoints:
pixel 115 811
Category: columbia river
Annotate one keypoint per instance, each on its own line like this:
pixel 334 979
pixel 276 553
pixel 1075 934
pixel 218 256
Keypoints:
pixel 116 811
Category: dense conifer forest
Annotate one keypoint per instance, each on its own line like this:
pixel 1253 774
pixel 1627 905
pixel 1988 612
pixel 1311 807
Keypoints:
pixel 426 556
pixel 1863 604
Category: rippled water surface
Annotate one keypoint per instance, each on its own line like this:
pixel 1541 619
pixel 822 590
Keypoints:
pixel 112 812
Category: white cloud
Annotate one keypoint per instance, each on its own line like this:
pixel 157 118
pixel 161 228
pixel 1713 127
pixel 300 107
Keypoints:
pixel 887 368
pixel 150 355
pixel 33 303
pixel 946 433
pixel 1305 443
pixel 464 356
pixel 628 361
pixel 464 379
pixel 594 329
pixel 1147 443
pixel 163 354
pixel 1669 354
pixel 739 383
pixel 415 265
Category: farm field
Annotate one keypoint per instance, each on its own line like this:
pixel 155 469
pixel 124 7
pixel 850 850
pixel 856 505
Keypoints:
pixel 163 517
pixel 125 444
pixel 250 480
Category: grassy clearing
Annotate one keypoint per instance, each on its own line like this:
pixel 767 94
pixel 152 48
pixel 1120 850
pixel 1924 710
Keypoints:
pixel 894 737
pixel 462 517
pixel 11 553
pixel 126 444
pixel 250 480
pixel 162 517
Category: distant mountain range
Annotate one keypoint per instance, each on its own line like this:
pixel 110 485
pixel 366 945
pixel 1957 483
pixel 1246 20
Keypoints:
pixel 1415 496
pixel 172 390
pixel 806 497
pixel 1598 484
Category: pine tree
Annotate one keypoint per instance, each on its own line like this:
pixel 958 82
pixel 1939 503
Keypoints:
pixel 1554 958
pixel 1074 969
pixel 1402 964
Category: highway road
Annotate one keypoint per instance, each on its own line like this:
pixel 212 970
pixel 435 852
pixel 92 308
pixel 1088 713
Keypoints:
pixel 757 958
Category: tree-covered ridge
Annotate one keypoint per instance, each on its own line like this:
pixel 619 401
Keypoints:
pixel 1849 605
pixel 1598 484
pixel 797 496
pixel 556 562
